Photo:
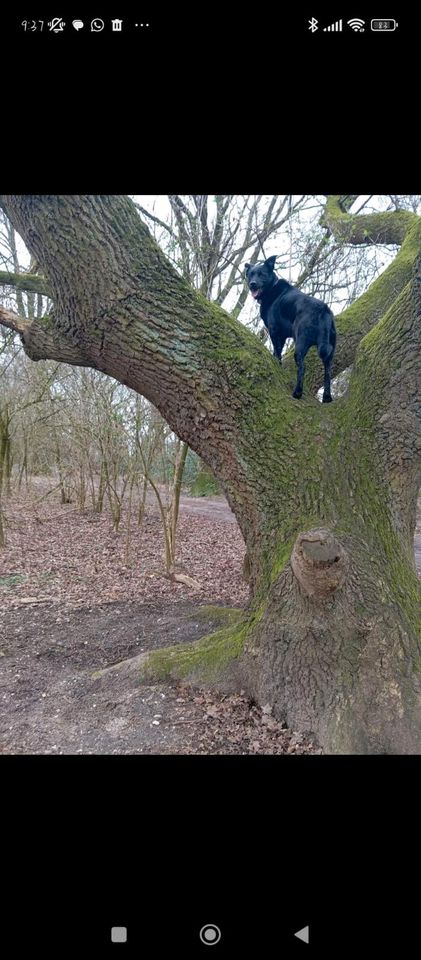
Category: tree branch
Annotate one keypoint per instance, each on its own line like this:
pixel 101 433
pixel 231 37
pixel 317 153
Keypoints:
pixel 13 321
pixel 370 228
pixel 159 223
pixel 41 339
pixel 27 282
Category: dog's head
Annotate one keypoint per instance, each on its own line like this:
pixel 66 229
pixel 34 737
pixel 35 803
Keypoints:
pixel 260 277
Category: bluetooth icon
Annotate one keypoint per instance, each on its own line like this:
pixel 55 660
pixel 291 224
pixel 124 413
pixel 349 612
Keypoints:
pixel 313 24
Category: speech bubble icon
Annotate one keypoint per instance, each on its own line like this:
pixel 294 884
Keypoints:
pixel 78 24
pixel 97 25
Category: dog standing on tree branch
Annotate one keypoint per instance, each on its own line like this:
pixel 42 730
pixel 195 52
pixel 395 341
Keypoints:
pixel 286 312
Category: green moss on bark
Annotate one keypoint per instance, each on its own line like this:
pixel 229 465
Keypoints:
pixel 382 227
pixel 374 303
pixel 207 659
pixel 228 615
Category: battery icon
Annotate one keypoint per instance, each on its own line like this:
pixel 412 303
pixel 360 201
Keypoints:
pixel 384 25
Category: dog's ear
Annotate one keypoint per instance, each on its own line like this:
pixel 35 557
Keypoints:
pixel 246 267
pixel 270 263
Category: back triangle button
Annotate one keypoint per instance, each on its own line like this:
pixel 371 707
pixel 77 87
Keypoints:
pixel 303 934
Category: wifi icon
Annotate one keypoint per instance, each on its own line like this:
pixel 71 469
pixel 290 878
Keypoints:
pixel 357 25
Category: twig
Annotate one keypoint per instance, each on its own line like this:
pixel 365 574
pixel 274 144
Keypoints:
pixel 176 723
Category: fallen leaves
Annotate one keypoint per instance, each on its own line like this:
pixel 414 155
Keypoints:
pixel 65 558
pixel 233 724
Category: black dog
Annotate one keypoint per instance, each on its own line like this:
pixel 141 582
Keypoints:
pixel 286 312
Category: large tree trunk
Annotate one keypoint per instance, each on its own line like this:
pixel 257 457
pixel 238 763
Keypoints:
pixel 325 495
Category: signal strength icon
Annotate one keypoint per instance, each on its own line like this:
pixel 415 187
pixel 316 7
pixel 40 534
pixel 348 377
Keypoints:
pixel 334 26
pixel 357 25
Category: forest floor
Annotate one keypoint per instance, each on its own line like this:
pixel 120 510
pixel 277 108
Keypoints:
pixel 75 598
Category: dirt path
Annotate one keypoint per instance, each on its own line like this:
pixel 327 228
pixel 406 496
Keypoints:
pixel 215 508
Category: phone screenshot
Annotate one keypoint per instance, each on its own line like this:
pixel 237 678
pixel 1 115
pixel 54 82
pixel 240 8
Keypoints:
pixel 210 513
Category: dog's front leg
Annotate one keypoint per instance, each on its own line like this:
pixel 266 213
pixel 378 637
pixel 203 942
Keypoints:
pixel 278 346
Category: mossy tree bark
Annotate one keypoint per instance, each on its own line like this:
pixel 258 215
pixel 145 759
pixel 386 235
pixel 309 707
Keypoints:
pixel 325 495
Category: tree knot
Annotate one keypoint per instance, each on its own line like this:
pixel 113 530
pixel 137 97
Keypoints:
pixel 319 563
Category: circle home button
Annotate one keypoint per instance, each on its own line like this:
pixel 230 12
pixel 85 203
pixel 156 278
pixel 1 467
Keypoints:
pixel 210 934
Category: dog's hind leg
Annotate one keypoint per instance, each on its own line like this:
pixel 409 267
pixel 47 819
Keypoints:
pixel 327 396
pixel 326 353
pixel 299 360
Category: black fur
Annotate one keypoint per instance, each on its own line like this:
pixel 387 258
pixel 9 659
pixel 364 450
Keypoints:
pixel 286 312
